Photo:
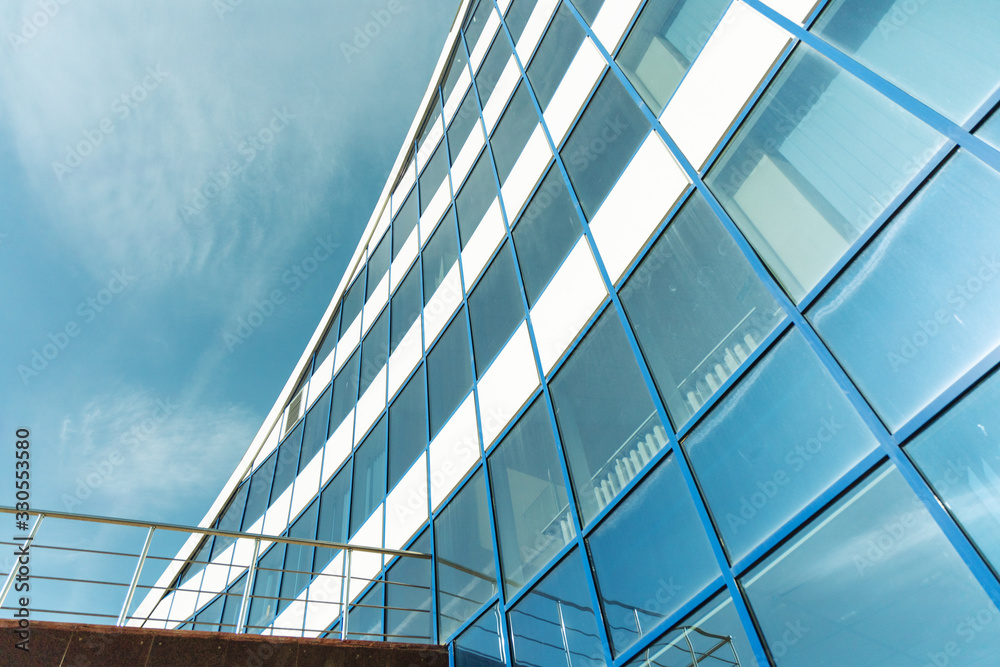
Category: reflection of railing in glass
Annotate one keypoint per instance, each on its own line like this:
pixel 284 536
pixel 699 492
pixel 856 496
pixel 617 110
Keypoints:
pixel 631 457
pixel 665 652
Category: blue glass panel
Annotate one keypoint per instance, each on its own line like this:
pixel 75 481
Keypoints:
pixel 330 338
pixel 960 455
pixel 466 575
pixel 476 196
pixel 334 515
pixel 287 465
pixel 231 519
pixel 495 309
pixel 407 427
pixel 369 475
pixel 353 302
pixel 921 305
pixel 374 351
pixel 946 54
pixel 818 160
pixel 299 558
pixel 234 601
pixel 666 38
pixel 462 124
pixel 315 431
pixel 207 620
pixel 378 264
pixel 989 131
pixel 408 618
pixel 434 174
pixel 458 65
pixel 589 8
pixel 545 234
pixel 873 582
pixel 366 616
pixel 554 624
pixel 610 429
pixel 697 309
pixel 783 435
pixel 449 372
pixel 493 65
pixel 404 222
pixel 439 255
pixel 513 131
pixel 264 597
pixel 481 644
pixel 260 491
pixel 429 123
pixel 477 22
pixel 554 54
pixel 657 532
pixel 406 305
pixel 517 17
pixel 345 391
pixel 603 143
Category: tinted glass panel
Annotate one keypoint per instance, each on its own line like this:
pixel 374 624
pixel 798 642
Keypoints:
pixel 480 645
pixel 315 431
pixel 921 305
pixel 875 582
pixel 658 518
pixel 298 557
pixel 378 264
pixel 784 435
pixel 330 338
pixel 517 17
pixel 407 427
pixel 439 255
pixel 369 475
pixel 816 163
pixel 589 8
pixel 429 124
pixel 234 600
pixel 602 143
pixel 476 196
pixel 945 54
pixel 493 66
pixel 208 619
pixel 231 519
pixel 374 351
pixel 554 624
pixel 264 603
pixel 513 131
pixel 260 491
pixel 609 426
pixel 529 498
pixel 406 307
pixel 462 124
pixel 408 618
pixel 697 309
pixel 366 616
pixel 666 39
pixel 552 57
pixel 404 222
pixel 545 234
pixel 495 309
pixel 288 463
pixel 989 131
pixel 334 507
pixel 458 65
pixel 433 176
pixel 477 22
pixel 345 391
pixel 466 576
pixel 960 455
pixel 449 372
pixel 353 302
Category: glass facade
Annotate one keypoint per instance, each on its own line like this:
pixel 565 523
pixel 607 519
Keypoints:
pixel 645 405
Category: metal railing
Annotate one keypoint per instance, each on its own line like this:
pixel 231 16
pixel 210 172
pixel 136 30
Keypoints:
pixel 33 543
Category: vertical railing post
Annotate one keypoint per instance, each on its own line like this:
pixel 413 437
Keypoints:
pixel 7 585
pixel 562 630
pixel 347 593
pixel 135 577
pixel 694 656
pixel 241 622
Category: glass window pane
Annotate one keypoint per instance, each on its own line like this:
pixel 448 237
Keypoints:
pixel 960 455
pixel 517 17
pixel 554 54
pixel 429 123
pixel 449 372
pixel 554 624
pixel 287 465
pixel 481 644
pixel 513 131
pixel 946 54
pixel 334 506
pixel 369 475
pixel 589 9
pixel 260 491
pixel 609 426
pixel 264 600
pixel 476 197
pixel 439 255
pixel 458 65
pixel 713 635
pixel 207 620
pixel 495 309
pixel 466 575
pixel 657 532
pixel 819 159
pixel 603 143
pixel 545 234
pixel 298 557
pixel 345 391
pixel 477 22
pixel 874 582
pixel 493 65
pixel 330 338
pixel 408 618
pixel 921 305
pixel 783 436
pixel 353 302
pixel 404 222
pixel 406 306
pixel 462 124
pixel 433 176
pixel 365 621
pixel 530 503
pixel 989 131
pixel 374 351
pixel 378 264
pixel 231 519
pixel 666 39
pixel 234 601
pixel 407 427
pixel 315 431
pixel 697 309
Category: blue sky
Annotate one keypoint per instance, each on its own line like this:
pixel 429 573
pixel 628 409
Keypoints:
pixel 164 168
